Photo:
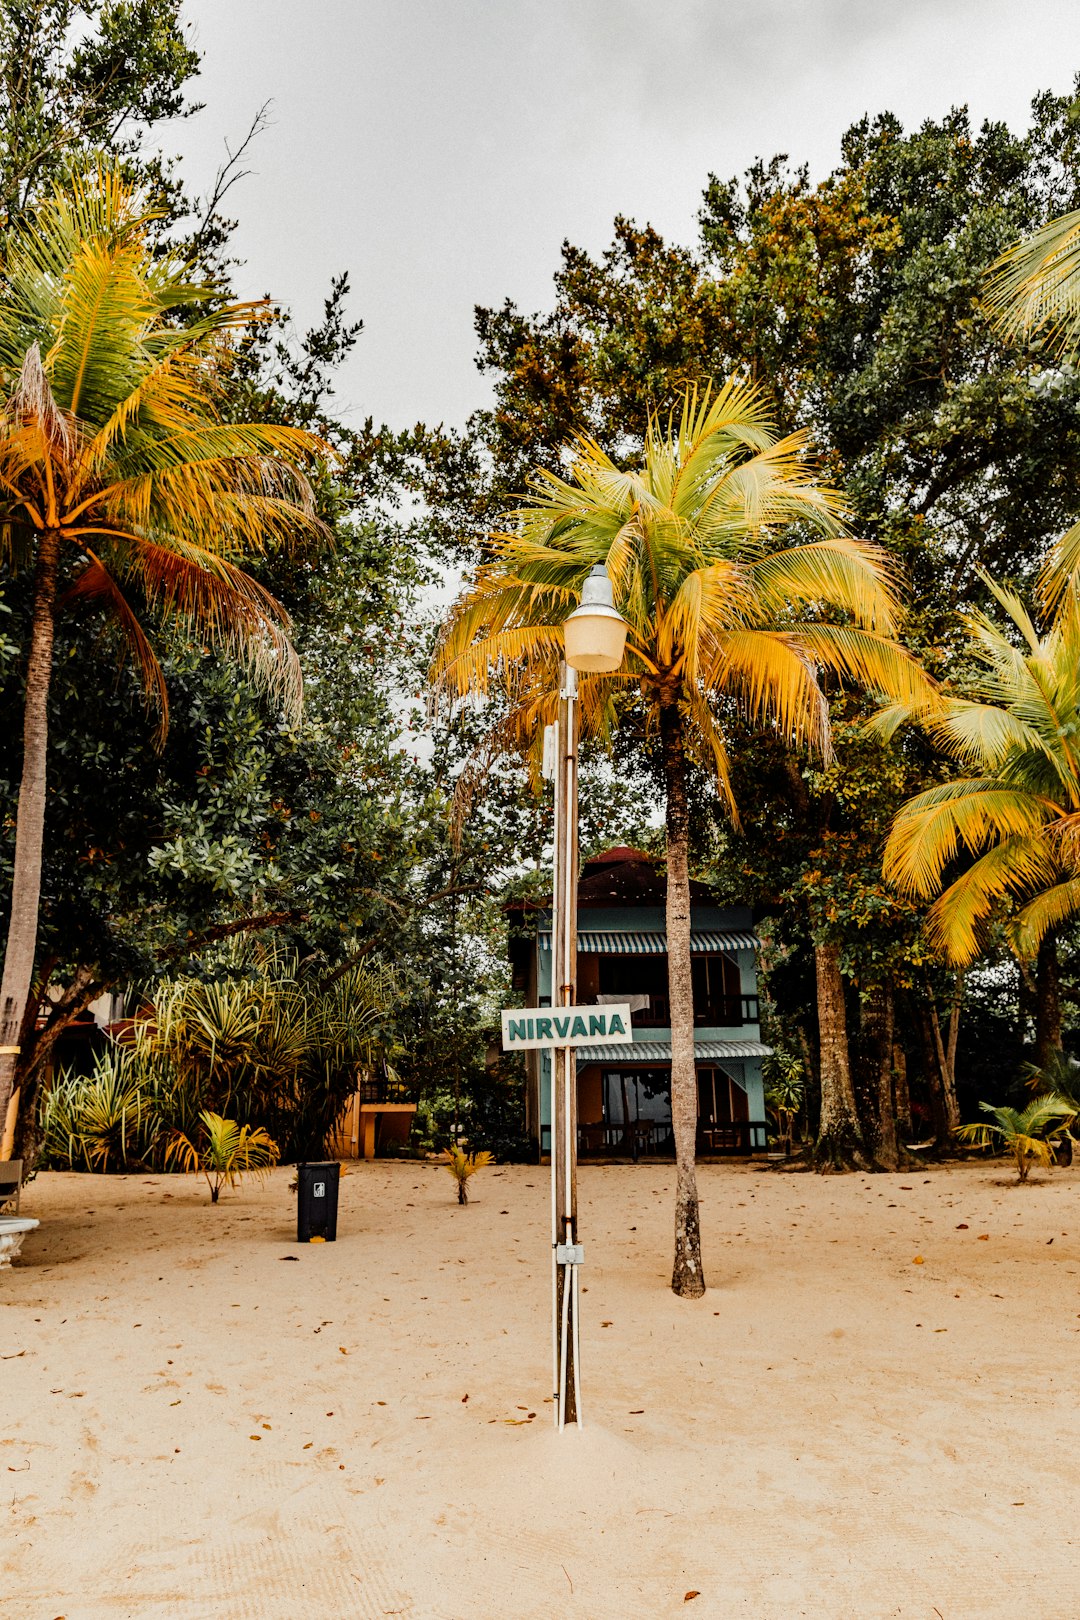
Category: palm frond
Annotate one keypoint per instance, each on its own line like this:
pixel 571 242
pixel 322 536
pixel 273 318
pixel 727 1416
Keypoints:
pixel 1033 289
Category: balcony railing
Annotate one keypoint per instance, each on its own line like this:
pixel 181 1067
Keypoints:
pixel 381 1088
pixel 646 1138
pixel 721 1012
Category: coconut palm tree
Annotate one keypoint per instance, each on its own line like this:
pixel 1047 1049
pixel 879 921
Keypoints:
pixel 1015 820
pixel 1034 287
pixel 1025 1133
pixel 724 616
pixel 122 488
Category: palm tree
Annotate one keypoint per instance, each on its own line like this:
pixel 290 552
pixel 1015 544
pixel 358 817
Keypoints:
pixel 1034 287
pixel 723 616
pixel 1016 819
pixel 1022 1132
pixel 121 486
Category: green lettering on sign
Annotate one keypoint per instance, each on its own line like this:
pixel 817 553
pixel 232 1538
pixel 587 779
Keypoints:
pixel 579 1027
pixel 516 1028
pixel 561 1027
pixel 616 1027
pixel 543 1029
pixel 597 1025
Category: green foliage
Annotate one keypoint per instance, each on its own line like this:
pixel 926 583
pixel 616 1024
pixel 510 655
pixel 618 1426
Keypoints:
pixel 224 1153
pixel 1022 1132
pixel 785 1092
pixel 271 1040
pixel 1009 822
pixel 108 1121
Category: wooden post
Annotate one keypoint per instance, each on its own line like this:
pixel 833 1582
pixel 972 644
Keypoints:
pixel 565 1293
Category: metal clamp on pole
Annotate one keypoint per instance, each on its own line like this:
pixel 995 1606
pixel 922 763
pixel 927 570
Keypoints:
pixel 572 1257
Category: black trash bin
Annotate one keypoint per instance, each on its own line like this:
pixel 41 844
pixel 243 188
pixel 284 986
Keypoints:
pixel 316 1201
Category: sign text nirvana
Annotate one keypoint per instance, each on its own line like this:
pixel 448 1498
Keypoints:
pixel 525 1027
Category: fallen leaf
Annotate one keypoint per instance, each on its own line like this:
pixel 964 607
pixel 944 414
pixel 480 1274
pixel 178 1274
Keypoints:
pixel 984 1237
pixel 288 1257
pixel 343 1350
pixel 962 1227
pixel 254 1436
pixel 464 1398
pixel 918 1261
pixel 308 1446
pixel 688 1595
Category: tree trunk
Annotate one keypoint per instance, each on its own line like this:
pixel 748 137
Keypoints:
pixel 949 1106
pixel 933 1062
pixel 35 1059
pixel 687 1277
pixel 840 1142
pixel 1047 1004
pixel 29 819
pixel 883 1056
pixel 902 1094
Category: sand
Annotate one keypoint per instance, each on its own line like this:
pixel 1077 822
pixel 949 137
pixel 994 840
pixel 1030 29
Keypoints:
pixel 201 1419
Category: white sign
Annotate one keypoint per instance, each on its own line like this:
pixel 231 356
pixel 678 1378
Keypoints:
pixel 524 1028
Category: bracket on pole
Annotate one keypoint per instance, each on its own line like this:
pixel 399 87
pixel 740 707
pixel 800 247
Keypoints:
pixel 569 1254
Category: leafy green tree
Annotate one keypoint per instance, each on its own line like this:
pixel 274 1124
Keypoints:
pixel 856 303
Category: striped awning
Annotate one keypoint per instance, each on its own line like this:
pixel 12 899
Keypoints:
pixel 660 1052
pixel 653 943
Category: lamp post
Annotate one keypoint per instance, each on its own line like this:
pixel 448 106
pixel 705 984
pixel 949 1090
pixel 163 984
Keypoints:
pixel 594 638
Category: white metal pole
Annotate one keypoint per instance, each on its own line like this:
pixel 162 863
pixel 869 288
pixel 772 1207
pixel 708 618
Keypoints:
pixel 557 895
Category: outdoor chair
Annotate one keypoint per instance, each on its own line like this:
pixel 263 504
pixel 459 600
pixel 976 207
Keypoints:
pixel 10 1182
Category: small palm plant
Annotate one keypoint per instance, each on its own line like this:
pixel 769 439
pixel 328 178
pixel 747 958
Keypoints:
pixel 1022 1132
pixel 463 1165
pixel 226 1151
pixel 785 1094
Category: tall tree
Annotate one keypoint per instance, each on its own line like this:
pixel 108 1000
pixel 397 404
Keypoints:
pixel 721 616
pixel 123 488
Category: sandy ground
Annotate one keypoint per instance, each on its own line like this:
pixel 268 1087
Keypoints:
pixel 201 1419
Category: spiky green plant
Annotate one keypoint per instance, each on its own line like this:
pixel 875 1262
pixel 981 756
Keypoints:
pixel 103 1121
pixel 462 1166
pixel 1022 1132
pixel 224 1152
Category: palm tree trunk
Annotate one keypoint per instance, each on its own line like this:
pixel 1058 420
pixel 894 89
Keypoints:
pixel 950 1106
pixel 902 1094
pixel 687 1277
pixel 839 1143
pixel 30 818
pixel 886 1102
pixel 1047 1003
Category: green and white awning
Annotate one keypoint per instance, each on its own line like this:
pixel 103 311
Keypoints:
pixel 653 942
pixel 660 1052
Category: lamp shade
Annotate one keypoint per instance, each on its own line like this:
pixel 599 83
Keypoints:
pixel 595 634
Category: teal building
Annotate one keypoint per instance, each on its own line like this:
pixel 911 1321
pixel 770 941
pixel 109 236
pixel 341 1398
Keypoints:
pixel 624 1092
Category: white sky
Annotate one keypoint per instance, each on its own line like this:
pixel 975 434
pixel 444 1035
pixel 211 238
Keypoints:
pixel 440 150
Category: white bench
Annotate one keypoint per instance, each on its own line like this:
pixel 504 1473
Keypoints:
pixel 13 1228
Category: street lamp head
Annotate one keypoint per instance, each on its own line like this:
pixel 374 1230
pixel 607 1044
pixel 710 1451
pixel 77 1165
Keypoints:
pixel 595 634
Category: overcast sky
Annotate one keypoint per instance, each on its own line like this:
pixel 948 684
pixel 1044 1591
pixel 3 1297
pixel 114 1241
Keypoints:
pixel 440 150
